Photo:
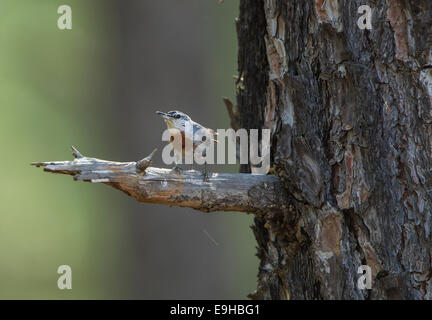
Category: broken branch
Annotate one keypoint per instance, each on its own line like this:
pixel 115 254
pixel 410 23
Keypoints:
pixel 223 192
pixel 233 113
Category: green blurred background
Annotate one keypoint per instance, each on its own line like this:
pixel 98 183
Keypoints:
pixel 97 87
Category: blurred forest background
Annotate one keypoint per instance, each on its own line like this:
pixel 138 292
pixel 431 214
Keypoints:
pixel 97 87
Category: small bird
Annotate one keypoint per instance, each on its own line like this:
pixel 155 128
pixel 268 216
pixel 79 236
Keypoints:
pixel 179 120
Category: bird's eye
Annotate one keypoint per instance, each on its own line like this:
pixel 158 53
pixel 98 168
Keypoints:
pixel 177 116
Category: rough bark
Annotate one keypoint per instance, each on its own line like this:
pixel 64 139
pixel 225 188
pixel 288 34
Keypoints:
pixel 220 192
pixel 350 112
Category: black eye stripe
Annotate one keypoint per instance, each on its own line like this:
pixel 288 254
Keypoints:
pixel 175 114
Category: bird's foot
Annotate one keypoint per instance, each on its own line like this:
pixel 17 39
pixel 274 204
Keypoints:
pixel 177 169
pixel 205 175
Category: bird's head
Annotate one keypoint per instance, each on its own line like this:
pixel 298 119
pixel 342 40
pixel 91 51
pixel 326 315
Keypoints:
pixel 174 119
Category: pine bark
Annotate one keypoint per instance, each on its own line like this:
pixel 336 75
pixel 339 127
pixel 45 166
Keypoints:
pixel 350 113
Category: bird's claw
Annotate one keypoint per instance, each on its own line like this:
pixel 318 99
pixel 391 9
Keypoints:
pixel 177 169
pixel 205 176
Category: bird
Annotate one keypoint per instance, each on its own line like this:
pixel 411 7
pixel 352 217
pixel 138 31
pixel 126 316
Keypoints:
pixel 180 121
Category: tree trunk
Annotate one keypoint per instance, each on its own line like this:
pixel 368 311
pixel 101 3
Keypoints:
pixel 350 113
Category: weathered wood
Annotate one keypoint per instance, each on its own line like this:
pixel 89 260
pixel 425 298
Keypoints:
pixel 222 192
pixel 233 114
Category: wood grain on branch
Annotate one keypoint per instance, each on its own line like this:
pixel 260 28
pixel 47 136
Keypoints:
pixel 223 192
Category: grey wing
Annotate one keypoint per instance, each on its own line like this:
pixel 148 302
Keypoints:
pixel 197 127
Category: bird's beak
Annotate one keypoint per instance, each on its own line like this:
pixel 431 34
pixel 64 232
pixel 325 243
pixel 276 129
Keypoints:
pixel 163 115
